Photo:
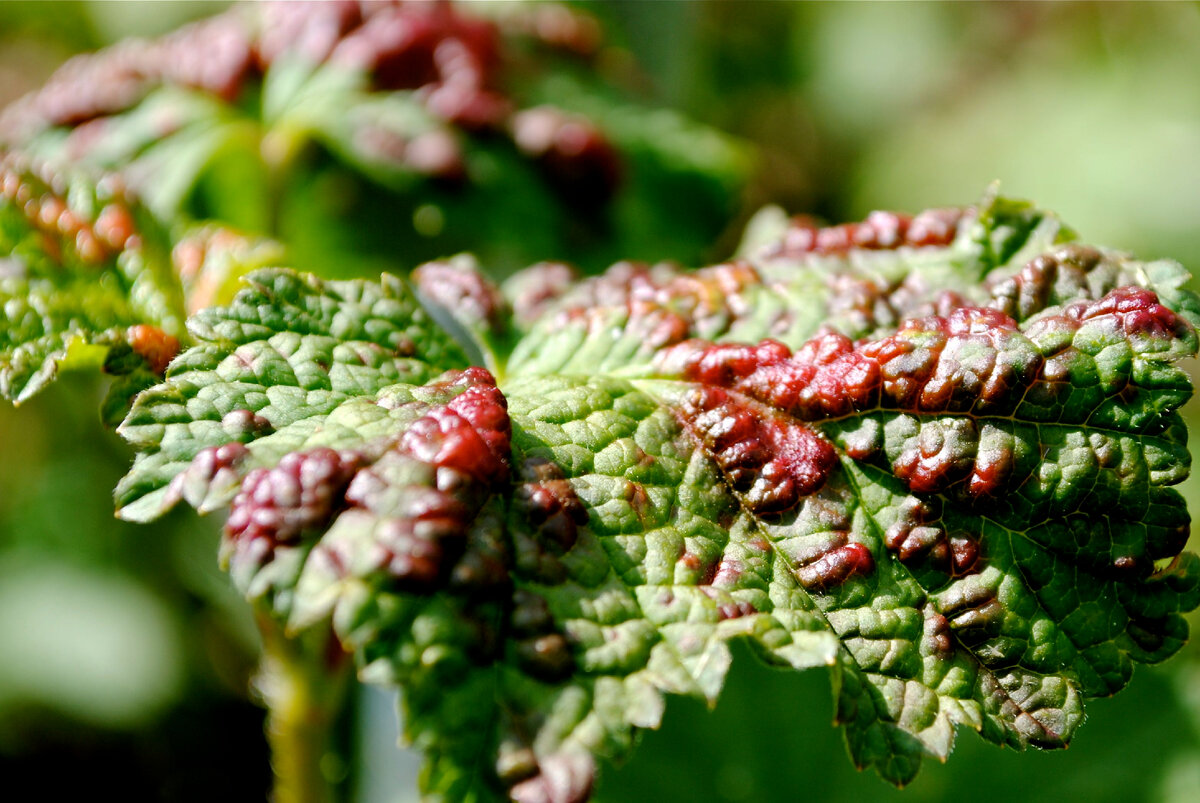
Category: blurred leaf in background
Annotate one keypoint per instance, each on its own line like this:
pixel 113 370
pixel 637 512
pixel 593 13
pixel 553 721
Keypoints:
pixel 365 150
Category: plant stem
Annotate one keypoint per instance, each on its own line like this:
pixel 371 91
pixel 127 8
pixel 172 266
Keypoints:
pixel 303 683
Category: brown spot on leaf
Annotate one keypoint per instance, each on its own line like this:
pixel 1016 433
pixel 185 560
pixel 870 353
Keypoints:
pixel 153 345
pixel 727 606
pixel 246 423
pixel 1129 567
pixel 937 638
pixel 540 649
pixel 972 609
pixel 918 536
pixel 414 549
pixel 471 434
pixel 550 504
pixel 991 472
pixel 956 363
pixel 836 567
pixel 728 572
pixel 424 533
pixel 1138 311
pixel 547 657
pixel 213 466
pixel 662 304
pixel 964 554
pixel 942 454
pixel 530 614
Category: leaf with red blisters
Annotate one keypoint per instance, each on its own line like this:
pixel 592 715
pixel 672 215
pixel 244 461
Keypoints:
pixel 932 454
pixel 956 427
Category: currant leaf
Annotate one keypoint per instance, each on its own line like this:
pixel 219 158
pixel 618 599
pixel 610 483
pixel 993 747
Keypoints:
pixel 932 454
pixel 289 351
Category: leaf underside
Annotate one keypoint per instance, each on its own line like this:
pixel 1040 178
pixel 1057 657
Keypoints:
pixel 931 454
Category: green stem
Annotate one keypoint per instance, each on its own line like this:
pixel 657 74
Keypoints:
pixel 303 683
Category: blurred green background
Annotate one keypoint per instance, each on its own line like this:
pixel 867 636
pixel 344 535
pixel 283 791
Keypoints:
pixel 125 655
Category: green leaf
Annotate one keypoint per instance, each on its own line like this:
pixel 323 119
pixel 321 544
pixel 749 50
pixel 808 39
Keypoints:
pixel 932 454
pixel 85 269
pixel 287 353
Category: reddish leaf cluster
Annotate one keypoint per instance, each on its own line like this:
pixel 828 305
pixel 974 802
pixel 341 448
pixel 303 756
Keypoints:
pixel 468 294
pixel 836 567
pixel 699 295
pixel 473 433
pixel 452 62
pixel 750 403
pixel 551 514
pixel 974 359
pixel 1132 311
pixel 576 156
pixel 450 57
pixel 828 556
pixel 918 535
pixel 663 305
pixel 212 467
pixel 1032 289
pixel 537 288
pixel 550 503
pixel 214 55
